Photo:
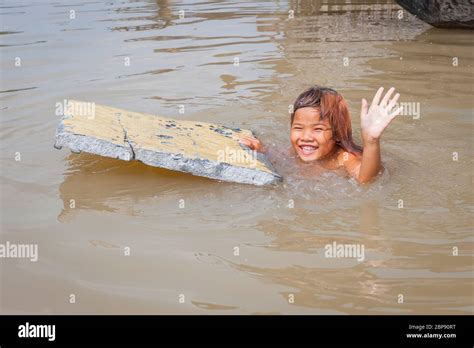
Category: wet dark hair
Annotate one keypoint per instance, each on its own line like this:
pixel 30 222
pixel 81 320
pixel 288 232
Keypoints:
pixel 331 105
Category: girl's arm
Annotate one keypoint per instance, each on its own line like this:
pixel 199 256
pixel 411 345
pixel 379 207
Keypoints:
pixel 371 162
pixel 373 120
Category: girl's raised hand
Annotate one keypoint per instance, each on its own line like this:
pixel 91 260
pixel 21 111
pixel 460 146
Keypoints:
pixel 376 118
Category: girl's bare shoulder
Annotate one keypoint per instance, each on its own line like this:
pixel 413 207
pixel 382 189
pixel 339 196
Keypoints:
pixel 349 161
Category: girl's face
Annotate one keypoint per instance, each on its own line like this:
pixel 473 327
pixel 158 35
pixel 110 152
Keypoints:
pixel 310 136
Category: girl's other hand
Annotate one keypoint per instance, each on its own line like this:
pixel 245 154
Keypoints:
pixel 376 118
pixel 252 142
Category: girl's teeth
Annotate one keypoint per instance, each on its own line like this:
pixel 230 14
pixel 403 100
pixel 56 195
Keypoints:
pixel 307 149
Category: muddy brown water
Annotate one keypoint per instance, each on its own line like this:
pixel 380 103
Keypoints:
pixel 183 232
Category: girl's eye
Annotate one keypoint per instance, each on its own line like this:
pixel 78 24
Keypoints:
pixel 297 128
pixel 319 129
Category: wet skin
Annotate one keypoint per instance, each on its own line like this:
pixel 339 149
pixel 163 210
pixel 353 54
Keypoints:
pixel 312 138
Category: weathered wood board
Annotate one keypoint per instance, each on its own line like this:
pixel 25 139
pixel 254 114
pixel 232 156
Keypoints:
pixel 198 148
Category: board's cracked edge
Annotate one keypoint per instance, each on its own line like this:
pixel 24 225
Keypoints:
pixel 82 143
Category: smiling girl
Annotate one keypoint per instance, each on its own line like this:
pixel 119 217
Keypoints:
pixel 321 131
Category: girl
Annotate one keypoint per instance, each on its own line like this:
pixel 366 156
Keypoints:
pixel 321 131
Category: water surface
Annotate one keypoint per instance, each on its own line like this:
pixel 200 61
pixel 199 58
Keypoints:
pixel 190 249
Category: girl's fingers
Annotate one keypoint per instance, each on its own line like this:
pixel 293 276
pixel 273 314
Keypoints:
pixel 364 108
pixel 393 101
pixel 247 137
pixel 252 143
pixel 245 141
pixel 377 96
pixel 387 97
pixel 395 113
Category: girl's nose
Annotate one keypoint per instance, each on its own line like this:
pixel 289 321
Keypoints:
pixel 307 134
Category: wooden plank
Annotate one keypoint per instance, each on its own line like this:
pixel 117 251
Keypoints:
pixel 195 147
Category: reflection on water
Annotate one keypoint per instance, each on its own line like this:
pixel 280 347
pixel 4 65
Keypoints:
pixel 128 238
